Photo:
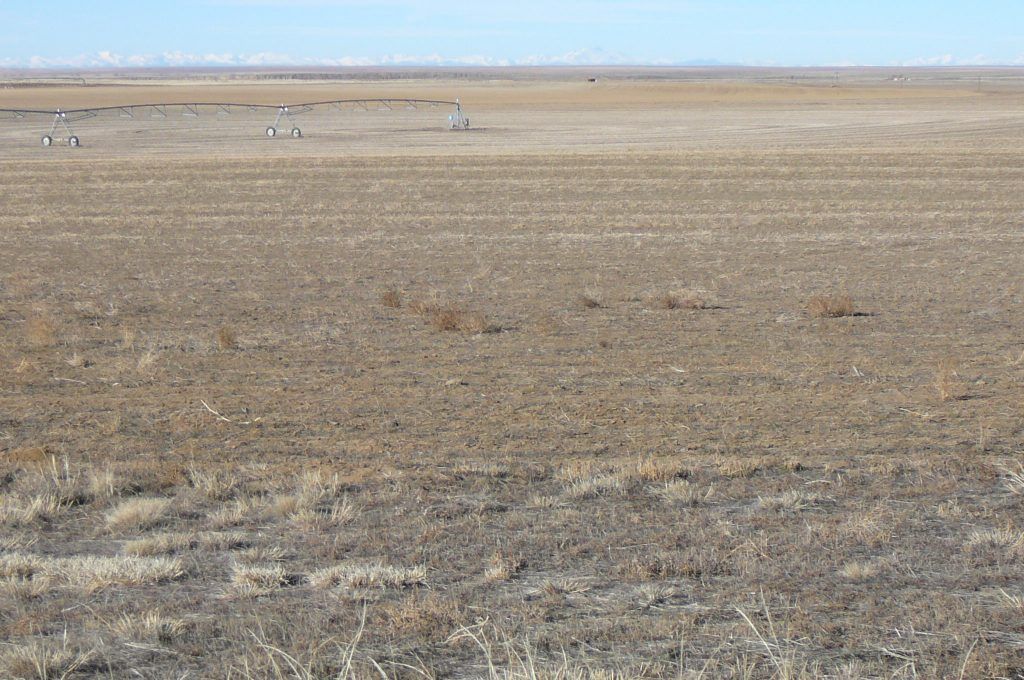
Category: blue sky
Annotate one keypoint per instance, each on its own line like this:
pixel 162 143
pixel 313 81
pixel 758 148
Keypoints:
pixel 325 32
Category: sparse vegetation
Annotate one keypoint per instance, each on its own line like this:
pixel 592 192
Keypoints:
pixel 623 490
pixel 226 338
pixel 40 331
pixel 138 514
pixel 391 298
pixel 948 383
pixel 831 306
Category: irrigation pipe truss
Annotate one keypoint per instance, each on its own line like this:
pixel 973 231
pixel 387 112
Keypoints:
pixel 62 119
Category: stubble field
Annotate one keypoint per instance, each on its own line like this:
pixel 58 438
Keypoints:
pixel 631 379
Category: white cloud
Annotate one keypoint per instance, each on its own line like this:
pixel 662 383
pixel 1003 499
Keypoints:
pixel 951 60
pixel 106 59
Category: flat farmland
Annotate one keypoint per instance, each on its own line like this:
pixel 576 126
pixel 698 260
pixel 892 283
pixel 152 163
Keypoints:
pixel 631 379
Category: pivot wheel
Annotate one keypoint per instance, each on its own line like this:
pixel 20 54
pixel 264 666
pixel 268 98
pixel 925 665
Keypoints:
pixel 271 132
pixel 296 133
pixel 47 140
pixel 73 141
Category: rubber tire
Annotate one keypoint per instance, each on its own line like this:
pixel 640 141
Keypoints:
pixel 47 140
pixel 73 141
pixel 271 132
pixel 296 133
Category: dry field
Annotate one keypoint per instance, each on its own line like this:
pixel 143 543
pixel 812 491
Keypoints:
pixel 633 379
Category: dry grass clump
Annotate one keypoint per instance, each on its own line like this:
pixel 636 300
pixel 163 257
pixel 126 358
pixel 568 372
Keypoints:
pixel 682 492
pixel 739 468
pixel 948 383
pixel 590 301
pixel 320 518
pixel 424 307
pixel 430 616
pixel 683 300
pixel 378 575
pixel 128 335
pixel 217 541
pixel 859 571
pixel 138 514
pixel 504 567
pixel 26 588
pixel 593 487
pixel 213 484
pixel 1012 601
pixel 42 493
pixel 792 500
pixel 43 661
pixel 107 483
pixel 41 331
pixel 315 503
pixel 253 580
pixel 91 573
pixel 234 513
pixel 151 626
pixel 831 306
pixel 872 528
pixel 226 338
pixel 261 554
pixel 1013 480
pixel 15 512
pixel 451 318
pixel 147 360
pixel 391 298
pixel 1006 541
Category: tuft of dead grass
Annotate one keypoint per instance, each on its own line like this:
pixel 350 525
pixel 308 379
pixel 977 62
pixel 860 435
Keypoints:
pixel 680 300
pixel 948 383
pixel 451 318
pixel 376 575
pixel 151 626
pixel 1006 541
pixel 212 484
pixel 503 567
pixel 91 573
pixel 38 660
pixel 792 500
pixel 254 580
pixel 138 514
pixel 831 306
pixel 227 339
pixel 41 331
pixel 592 487
pixel 391 298
pixel 590 301
pixel 682 492
pixel 859 571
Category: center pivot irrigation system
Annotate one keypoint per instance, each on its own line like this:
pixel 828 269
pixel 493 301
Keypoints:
pixel 62 120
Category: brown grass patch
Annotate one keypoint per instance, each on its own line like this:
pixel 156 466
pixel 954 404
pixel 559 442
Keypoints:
pixel 450 318
pixel 831 306
pixel 226 338
pixel 391 298
pixel 684 300
pixel 258 580
pixel 590 301
pixel 42 661
pixel 138 514
pixel 41 331
pixel 377 575
pixel 948 383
